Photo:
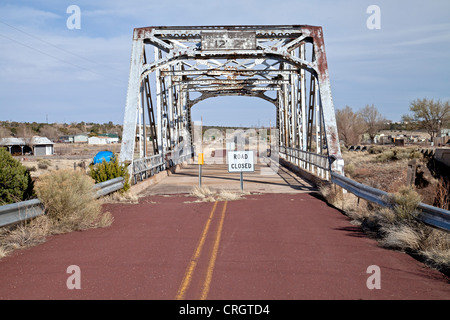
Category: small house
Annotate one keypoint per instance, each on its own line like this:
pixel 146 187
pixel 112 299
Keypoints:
pixel 112 137
pixel 80 138
pixel 41 146
pixel 97 140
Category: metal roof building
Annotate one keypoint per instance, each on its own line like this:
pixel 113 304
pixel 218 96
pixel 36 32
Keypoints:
pixel 15 145
pixel 38 146
pixel 42 146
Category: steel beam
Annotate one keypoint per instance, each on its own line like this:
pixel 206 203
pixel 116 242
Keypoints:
pixel 132 101
pixel 231 60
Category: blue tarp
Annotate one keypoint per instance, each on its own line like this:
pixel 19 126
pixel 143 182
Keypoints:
pixel 103 155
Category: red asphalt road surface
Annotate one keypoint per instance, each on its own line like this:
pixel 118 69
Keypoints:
pixel 271 247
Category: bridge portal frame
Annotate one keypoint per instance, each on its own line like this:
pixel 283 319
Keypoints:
pixel 283 64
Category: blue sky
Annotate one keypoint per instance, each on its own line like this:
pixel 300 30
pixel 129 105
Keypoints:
pixel 48 70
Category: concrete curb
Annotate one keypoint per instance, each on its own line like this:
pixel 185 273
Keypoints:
pixel 317 182
pixel 138 188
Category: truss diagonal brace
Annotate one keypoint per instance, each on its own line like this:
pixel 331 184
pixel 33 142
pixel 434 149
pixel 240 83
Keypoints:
pixel 177 47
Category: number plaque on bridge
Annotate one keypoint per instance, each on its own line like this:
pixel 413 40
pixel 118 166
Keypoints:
pixel 240 161
pixel 228 40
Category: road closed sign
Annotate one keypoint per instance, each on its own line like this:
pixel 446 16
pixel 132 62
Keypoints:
pixel 240 161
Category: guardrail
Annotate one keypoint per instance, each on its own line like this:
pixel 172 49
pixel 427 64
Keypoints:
pixel 318 165
pixel 360 190
pixel 21 211
pixel 104 188
pixel 433 216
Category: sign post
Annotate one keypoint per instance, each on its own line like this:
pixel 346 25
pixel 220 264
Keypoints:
pixel 240 161
pixel 242 181
pixel 201 161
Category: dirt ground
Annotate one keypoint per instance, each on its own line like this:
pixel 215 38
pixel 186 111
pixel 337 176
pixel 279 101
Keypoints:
pixel 390 176
pixel 67 156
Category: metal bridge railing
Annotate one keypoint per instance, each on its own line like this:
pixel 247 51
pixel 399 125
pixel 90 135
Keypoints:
pixel 146 167
pixel 315 163
pixel 181 155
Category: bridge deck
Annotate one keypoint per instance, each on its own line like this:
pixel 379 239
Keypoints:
pixel 265 179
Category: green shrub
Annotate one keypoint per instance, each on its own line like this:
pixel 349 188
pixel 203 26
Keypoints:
pixel 109 170
pixel 15 180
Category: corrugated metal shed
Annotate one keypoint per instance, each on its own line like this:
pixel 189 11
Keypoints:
pixel 15 146
pixel 40 141
pixel 12 141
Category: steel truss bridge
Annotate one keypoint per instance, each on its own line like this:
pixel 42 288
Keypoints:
pixel 174 68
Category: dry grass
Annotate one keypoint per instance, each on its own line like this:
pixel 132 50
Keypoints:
pixel 39 167
pixel 442 198
pixel 24 235
pixel 70 205
pixel 396 227
pixel 433 245
pixel 402 236
pixel 69 201
pixel 205 194
pixel 437 248
pixel 405 203
pixel 121 197
pixel 340 198
pixel 333 194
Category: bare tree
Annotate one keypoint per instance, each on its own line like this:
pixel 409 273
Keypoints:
pixel 4 132
pixel 24 131
pixel 350 126
pixel 430 115
pixel 50 132
pixel 373 119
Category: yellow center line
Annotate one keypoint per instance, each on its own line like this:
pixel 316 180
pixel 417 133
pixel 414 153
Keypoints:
pixel 212 261
pixel 193 263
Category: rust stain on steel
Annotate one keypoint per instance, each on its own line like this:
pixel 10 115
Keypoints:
pixel 333 140
pixel 319 51
pixel 231 43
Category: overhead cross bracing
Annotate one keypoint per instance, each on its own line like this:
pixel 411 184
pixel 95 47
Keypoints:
pixel 174 68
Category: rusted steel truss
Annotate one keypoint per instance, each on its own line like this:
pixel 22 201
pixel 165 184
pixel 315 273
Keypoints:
pixel 285 65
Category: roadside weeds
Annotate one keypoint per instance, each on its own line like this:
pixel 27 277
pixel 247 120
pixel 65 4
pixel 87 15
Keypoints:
pixel 395 228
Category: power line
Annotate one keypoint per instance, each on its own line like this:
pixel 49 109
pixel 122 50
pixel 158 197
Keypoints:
pixel 52 56
pixel 55 46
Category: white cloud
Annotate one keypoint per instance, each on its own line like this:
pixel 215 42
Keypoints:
pixel 20 15
pixel 384 66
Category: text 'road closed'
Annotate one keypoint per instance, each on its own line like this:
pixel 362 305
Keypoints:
pixel 240 161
